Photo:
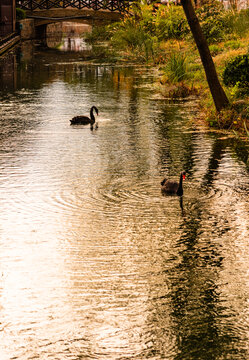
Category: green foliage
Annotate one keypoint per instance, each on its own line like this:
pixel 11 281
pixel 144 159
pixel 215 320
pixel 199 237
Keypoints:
pixel 215 21
pixel 240 22
pixel 142 31
pixel 134 37
pixel 247 131
pixel 141 35
pixel 128 36
pixel 176 67
pixel 144 14
pixel 170 23
pixel 20 14
pixel 232 44
pixel 99 33
pixel 135 33
pixel 215 49
pixel 237 72
pixel 239 91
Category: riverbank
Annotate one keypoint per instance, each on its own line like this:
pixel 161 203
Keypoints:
pixel 161 38
pixel 236 115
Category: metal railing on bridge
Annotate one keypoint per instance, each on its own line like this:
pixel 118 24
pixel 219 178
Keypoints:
pixel 111 5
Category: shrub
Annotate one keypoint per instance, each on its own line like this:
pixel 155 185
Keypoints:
pixel 232 44
pixel 129 36
pixel 237 71
pixel 214 49
pixel 214 21
pixel 146 17
pixel 241 22
pixel 134 37
pixel 99 33
pixel 20 14
pixel 171 23
pixel 239 91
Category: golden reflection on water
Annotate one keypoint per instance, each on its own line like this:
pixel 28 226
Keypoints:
pixel 94 261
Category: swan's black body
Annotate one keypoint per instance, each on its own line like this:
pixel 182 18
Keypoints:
pixel 173 187
pixel 85 120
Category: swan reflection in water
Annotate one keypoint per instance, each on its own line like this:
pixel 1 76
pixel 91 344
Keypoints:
pixel 181 205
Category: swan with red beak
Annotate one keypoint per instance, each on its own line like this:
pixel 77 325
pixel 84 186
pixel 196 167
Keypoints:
pixel 173 187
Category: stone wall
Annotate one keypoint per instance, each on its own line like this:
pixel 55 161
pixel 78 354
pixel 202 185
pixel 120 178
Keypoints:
pixel 27 29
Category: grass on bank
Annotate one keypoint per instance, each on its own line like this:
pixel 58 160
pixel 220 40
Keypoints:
pixel 159 36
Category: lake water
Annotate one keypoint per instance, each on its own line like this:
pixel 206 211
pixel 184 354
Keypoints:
pixel 95 263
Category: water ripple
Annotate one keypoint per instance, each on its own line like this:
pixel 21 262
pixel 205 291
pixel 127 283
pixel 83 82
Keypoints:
pixel 95 262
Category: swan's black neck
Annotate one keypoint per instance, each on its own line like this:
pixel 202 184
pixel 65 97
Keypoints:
pixel 91 113
pixel 180 189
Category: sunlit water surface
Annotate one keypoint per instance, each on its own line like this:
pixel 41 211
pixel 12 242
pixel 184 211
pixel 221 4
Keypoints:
pixel 95 263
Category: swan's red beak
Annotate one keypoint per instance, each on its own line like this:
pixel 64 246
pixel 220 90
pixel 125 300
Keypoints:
pixel 183 176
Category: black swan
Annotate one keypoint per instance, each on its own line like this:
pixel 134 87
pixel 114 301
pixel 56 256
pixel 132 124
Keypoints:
pixel 85 120
pixel 173 187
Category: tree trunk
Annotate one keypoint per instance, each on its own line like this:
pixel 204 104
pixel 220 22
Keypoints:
pixel 218 94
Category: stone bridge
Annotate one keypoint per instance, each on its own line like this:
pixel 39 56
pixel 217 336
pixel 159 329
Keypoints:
pixel 86 11
pixel 40 13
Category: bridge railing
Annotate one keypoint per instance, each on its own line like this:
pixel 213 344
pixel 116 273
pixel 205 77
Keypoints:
pixel 111 5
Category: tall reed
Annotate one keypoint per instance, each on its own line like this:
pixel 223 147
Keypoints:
pixel 176 67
